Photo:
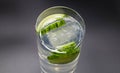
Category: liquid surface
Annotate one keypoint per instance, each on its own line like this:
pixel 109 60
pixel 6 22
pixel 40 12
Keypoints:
pixel 69 32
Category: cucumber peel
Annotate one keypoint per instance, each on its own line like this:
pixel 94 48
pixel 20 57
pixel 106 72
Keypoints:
pixel 63 58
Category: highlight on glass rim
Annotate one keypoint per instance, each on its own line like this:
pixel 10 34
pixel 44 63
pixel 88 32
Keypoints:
pixel 60 31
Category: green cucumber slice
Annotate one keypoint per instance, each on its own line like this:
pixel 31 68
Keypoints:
pixel 58 23
pixel 47 20
pixel 63 58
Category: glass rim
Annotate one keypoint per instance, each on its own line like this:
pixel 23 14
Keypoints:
pixel 65 7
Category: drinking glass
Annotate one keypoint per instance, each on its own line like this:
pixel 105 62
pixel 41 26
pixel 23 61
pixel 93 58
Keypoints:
pixel 60 31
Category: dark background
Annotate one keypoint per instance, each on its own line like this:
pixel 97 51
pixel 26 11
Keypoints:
pixel 101 47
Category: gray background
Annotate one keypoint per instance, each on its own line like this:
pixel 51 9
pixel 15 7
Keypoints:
pixel 101 48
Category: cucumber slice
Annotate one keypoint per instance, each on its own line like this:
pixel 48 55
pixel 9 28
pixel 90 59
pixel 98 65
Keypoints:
pixel 49 19
pixel 63 58
pixel 58 23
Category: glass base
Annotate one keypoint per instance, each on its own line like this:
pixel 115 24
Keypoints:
pixel 43 71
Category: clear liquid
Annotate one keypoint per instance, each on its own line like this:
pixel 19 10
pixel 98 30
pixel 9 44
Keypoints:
pixel 71 31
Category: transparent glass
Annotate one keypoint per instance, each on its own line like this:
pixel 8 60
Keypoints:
pixel 60 31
